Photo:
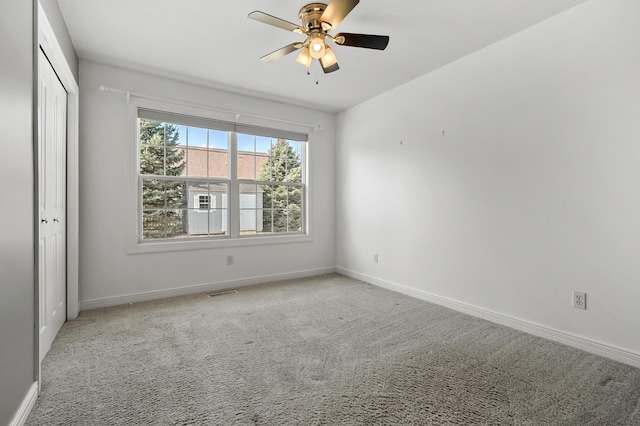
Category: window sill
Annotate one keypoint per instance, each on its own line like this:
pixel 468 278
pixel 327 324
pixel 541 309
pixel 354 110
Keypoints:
pixel 209 244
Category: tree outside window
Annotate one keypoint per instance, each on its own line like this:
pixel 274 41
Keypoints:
pixel 162 200
pixel 282 202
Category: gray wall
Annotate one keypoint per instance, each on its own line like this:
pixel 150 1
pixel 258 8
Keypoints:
pixel 16 223
pixel 54 16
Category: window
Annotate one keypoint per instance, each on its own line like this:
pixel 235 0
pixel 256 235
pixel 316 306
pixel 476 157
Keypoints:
pixel 270 179
pixel 203 201
pixel 205 179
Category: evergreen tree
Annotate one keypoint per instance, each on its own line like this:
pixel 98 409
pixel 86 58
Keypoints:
pixel 282 203
pixel 161 199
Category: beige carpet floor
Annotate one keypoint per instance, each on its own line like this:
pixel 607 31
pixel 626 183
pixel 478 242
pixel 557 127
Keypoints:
pixel 320 351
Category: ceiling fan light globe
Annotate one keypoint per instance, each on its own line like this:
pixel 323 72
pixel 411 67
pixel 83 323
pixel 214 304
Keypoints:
pixel 304 58
pixel 317 47
pixel 329 59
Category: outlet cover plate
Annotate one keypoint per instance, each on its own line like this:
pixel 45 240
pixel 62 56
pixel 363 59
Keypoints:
pixel 579 300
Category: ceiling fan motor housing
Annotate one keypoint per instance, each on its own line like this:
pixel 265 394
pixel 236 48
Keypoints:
pixel 310 16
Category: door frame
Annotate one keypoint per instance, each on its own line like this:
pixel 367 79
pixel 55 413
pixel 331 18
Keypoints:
pixel 48 42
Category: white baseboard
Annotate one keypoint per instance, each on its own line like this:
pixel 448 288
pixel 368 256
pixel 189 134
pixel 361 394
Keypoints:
pixel 587 345
pixel 22 414
pixel 199 288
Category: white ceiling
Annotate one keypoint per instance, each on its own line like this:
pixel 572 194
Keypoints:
pixel 213 43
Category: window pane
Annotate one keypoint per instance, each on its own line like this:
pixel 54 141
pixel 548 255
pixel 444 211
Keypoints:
pixel 279 220
pixel 162 224
pixel 218 220
pixel 177 161
pixel 208 214
pixel 181 131
pixel 199 217
pixel 197 162
pixel 246 166
pixel 159 152
pixel 194 190
pixel 175 194
pixel 248 222
pixel 175 223
pixel 218 139
pixel 267 196
pixel 219 188
pixel 263 144
pixel 153 194
pixel 267 219
pixel 263 170
pixel 294 171
pixel 158 193
pixel 246 143
pixel 283 162
pixel 218 163
pixel 296 148
pixel 196 137
pixel 153 224
pixel 279 196
pixel 174 155
pixel 151 160
pixel 249 188
pixel 149 134
pixel 278 168
pixel 295 220
pixel 295 196
pixel 250 200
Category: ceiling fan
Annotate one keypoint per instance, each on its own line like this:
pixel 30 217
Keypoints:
pixel 317 20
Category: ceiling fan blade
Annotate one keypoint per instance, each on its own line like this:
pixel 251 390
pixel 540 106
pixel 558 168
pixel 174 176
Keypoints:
pixel 337 10
pixel 275 21
pixel 368 41
pixel 283 51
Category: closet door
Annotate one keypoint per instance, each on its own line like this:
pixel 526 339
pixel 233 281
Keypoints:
pixel 52 143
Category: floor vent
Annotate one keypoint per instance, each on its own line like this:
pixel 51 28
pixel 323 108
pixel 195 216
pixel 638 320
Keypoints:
pixel 220 293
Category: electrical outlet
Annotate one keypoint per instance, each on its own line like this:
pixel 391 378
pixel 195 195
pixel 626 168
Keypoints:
pixel 229 260
pixel 375 258
pixel 579 300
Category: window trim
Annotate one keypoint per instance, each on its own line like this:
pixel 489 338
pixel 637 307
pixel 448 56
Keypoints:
pixel 203 117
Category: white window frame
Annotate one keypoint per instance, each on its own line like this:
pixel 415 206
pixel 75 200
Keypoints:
pixel 135 245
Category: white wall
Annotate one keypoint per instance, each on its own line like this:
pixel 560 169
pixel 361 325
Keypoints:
pixel 108 274
pixel 533 190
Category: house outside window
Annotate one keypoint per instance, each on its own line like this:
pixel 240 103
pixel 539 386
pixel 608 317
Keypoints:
pixel 206 179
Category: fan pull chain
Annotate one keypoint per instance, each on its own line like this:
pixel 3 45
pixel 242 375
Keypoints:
pixel 315 75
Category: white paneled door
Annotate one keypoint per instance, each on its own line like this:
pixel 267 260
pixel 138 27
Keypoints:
pixel 52 143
